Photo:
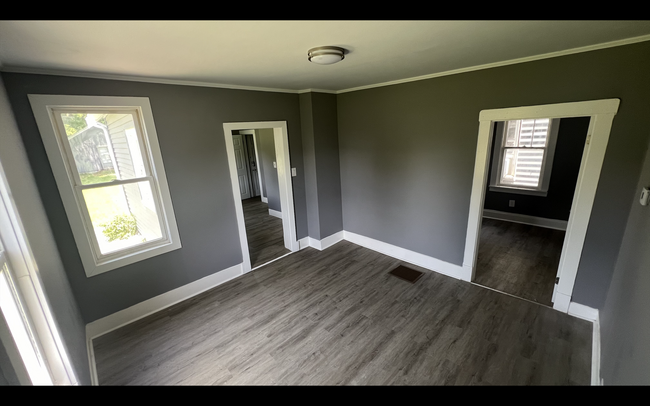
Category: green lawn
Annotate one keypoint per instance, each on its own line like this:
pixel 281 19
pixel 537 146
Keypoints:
pixel 97 177
pixel 104 203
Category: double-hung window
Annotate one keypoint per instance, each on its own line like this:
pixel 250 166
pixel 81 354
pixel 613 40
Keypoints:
pixel 523 156
pixel 107 164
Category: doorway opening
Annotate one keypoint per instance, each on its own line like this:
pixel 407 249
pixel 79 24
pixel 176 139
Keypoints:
pixel 601 114
pixel 530 186
pixel 260 169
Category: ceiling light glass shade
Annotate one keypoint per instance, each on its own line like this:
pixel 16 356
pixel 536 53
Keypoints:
pixel 325 55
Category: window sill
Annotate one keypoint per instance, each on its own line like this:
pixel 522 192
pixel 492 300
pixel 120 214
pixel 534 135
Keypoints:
pixel 503 189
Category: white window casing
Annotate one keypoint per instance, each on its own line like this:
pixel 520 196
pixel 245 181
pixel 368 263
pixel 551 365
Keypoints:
pixel 146 171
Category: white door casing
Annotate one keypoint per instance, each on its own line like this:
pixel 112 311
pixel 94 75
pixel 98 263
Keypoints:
pixel 602 113
pixel 281 138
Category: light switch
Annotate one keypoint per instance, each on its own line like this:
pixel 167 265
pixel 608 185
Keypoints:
pixel 293 171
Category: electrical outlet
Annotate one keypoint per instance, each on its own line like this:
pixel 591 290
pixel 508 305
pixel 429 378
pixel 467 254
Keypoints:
pixel 275 165
pixel 511 203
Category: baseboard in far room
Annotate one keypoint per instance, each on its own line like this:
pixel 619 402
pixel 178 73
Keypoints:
pixel 143 309
pixel 415 258
pixel 275 213
pixel 265 199
pixel 525 219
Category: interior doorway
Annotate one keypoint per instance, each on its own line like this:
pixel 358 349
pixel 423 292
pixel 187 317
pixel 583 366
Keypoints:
pixel 256 161
pixel 248 201
pixel 601 114
pixel 529 190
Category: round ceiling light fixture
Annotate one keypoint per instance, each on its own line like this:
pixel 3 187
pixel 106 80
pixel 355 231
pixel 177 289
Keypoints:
pixel 325 55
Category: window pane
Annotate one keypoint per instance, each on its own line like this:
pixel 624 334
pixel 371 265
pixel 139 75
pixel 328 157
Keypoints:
pixel 511 134
pixel 101 147
pixel 522 167
pixel 123 216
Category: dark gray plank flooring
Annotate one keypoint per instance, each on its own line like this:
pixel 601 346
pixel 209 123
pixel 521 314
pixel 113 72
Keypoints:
pixel 519 259
pixel 264 232
pixel 337 317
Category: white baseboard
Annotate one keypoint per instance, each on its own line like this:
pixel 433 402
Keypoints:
pixel 582 311
pixel 275 213
pixel 525 219
pixel 303 243
pixel 326 242
pixel 116 320
pixel 433 264
pixel 265 199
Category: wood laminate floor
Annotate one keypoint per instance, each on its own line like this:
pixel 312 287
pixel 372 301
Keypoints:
pixel 519 259
pixel 336 317
pixel 264 232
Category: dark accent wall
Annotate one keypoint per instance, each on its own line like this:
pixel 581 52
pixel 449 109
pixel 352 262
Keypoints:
pixel 189 122
pixel 321 157
pixel 564 174
pixel 407 152
pixel 625 332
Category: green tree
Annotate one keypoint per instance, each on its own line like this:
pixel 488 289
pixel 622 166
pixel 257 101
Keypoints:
pixel 73 122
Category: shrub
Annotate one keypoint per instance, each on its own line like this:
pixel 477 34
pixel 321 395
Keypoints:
pixel 120 228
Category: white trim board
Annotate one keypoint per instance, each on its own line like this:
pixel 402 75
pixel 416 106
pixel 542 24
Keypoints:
pixel 275 213
pixel 602 113
pixel 525 219
pixel 326 242
pixel 155 304
pixel 427 262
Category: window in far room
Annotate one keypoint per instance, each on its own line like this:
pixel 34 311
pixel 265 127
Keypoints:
pixel 523 156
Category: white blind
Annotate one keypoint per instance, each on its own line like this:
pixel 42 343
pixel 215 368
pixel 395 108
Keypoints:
pixel 524 147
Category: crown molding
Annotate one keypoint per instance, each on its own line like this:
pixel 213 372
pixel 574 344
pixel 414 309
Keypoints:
pixel 36 71
pixel 571 51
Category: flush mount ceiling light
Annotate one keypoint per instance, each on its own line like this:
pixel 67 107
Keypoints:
pixel 325 55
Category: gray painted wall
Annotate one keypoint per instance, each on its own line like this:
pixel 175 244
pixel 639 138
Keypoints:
pixel 322 167
pixel 564 174
pixel 309 159
pixel 189 122
pixel 407 152
pixel 625 335
pixel 270 174
pixel 51 270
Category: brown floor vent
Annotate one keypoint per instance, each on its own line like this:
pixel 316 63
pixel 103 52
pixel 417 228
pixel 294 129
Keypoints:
pixel 407 274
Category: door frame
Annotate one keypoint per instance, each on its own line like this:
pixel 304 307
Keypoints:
pixel 601 113
pixel 281 140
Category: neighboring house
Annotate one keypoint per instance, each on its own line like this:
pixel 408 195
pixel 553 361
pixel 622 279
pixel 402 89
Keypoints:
pixel 392 163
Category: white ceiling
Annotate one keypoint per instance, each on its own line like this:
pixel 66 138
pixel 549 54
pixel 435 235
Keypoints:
pixel 273 54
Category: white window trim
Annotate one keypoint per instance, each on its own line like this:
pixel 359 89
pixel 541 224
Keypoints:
pixel 545 173
pixel 23 275
pixel 94 264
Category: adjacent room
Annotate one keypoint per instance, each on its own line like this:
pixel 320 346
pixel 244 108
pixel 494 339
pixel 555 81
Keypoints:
pixel 324 202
